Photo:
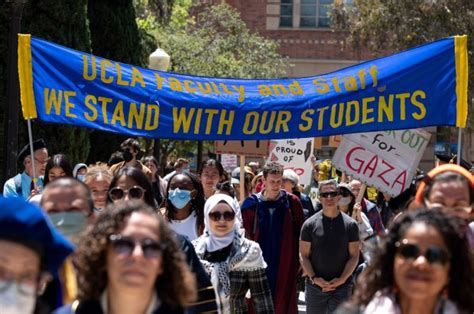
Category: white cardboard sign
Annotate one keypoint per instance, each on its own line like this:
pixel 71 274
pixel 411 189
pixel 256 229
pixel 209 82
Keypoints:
pixel 386 160
pixel 294 154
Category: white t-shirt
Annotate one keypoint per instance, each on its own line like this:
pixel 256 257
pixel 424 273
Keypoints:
pixel 186 227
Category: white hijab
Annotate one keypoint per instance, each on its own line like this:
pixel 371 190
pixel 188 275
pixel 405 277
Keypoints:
pixel 213 242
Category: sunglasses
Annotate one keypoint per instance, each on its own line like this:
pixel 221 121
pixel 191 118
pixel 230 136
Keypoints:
pixel 216 216
pixel 135 192
pixel 125 246
pixel 328 194
pixel 434 254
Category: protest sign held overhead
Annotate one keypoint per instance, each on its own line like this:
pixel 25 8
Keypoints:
pixel 62 85
pixel 386 160
pixel 294 154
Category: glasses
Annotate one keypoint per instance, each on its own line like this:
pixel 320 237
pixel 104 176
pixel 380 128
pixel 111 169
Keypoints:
pixel 216 216
pixel 25 283
pixel 458 209
pixel 125 246
pixel 434 254
pixel 42 162
pixel 328 194
pixel 135 192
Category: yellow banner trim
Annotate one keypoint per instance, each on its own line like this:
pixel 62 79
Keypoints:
pixel 25 75
pixel 460 52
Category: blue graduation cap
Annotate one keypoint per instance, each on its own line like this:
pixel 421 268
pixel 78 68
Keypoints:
pixel 26 223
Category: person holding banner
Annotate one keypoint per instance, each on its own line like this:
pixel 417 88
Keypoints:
pixel 273 218
pixel 22 185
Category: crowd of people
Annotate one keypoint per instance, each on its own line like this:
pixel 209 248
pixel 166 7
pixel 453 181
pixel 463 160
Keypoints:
pixel 121 237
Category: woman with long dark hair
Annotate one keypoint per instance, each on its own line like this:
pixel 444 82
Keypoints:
pixel 184 205
pixel 424 266
pixel 130 183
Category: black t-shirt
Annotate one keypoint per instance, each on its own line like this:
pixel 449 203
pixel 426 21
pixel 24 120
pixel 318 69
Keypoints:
pixel 329 239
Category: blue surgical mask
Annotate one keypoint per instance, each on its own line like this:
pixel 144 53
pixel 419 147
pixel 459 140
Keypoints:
pixel 187 170
pixel 81 177
pixel 179 198
pixel 70 224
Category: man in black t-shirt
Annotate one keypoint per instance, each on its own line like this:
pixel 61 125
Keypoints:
pixel 329 252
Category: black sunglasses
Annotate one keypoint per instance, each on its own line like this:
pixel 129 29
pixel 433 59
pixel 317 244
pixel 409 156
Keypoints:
pixel 126 245
pixel 327 194
pixel 216 216
pixel 117 193
pixel 434 254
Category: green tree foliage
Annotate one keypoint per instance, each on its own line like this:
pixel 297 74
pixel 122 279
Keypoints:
pixel 4 20
pixel 62 22
pixel 214 42
pixel 394 25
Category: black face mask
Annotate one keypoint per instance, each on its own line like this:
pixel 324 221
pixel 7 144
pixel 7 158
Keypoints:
pixel 127 156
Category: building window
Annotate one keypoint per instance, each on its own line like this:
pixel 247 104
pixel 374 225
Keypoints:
pixel 315 13
pixel 286 13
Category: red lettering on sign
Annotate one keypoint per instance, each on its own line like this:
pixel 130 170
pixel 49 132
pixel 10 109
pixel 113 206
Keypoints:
pixel 401 179
pixel 348 158
pixel 390 168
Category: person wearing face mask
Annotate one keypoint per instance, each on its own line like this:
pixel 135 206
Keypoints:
pixel 31 250
pixel 130 149
pixel 68 203
pixel 79 172
pixel 184 206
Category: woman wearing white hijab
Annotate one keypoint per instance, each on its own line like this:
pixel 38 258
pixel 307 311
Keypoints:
pixel 234 263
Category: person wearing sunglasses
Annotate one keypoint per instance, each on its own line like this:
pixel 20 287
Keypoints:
pixel 329 252
pixel 450 188
pixel 129 261
pixel 234 263
pixel 31 252
pixel 423 266
pixel 130 183
pixel 184 207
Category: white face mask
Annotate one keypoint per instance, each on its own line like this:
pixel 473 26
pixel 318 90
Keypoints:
pixel 344 201
pixel 14 302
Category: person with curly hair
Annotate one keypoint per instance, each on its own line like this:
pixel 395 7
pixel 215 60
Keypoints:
pixel 129 261
pixel 424 266
pixel 234 263
pixel 184 206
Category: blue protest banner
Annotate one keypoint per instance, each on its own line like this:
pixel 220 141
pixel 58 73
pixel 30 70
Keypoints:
pixel 424 86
